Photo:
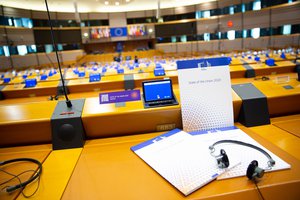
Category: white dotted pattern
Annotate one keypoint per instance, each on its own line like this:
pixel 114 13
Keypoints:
pixel 207 105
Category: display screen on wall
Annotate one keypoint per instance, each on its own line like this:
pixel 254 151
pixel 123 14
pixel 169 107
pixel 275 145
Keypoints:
pixel 136 30
pixel 61 36
pixel 97 33
pixel 168 30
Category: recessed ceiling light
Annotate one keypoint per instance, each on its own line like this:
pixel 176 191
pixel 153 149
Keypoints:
pixel 117 3
pixel 127 0
pixel 106 2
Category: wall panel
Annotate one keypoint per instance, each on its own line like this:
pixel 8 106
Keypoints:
pixel 20 36
pixel 207 26
pixel 98 15
pixel 235 19
pixel 260 18
pixel 184 9
pixel 42 15
pixel 16 12
pixel 207 6
pixel 286 15
pixel 135 14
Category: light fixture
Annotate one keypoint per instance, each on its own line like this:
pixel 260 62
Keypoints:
pixel 116 2
pixel 85 34
pixel 150 30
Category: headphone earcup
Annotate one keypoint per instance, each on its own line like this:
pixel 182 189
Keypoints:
pixel 254 171
pixel 222 159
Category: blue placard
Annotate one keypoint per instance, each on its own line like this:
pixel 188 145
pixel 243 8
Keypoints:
pixel 204 62
pixel 118 32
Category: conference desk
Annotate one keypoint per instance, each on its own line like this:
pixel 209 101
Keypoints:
pixel 19 90
pixel 38 152
pixel 24 124
pixel 283 132
pixel 108 120
pixel 108 169
pixel 117 81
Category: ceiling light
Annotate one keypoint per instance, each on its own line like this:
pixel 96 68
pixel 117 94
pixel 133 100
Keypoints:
pixel 117 3
pixel 106 2
pixel 127 0
pixel 150 30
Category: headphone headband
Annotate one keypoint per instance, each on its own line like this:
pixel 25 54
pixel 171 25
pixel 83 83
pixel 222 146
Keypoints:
pixel 271 162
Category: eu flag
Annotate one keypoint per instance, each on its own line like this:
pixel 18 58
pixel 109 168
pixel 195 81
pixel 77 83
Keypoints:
pixel 118 32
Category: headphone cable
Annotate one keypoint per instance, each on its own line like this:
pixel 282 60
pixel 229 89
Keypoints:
pixel 259 192
pixel 18 178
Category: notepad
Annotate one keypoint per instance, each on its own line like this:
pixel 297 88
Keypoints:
pixel 184 159
pixel 174 155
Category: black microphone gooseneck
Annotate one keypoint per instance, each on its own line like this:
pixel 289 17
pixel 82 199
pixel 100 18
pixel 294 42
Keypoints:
pixel 68 102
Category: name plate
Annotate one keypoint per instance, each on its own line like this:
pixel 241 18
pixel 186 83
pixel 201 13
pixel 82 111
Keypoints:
pixel 120 96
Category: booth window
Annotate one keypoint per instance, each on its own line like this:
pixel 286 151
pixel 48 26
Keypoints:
pixel 255 33
pixel 256 5
pixel 231 35
pixel 287 29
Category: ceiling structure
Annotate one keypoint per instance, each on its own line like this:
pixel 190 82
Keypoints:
pixel 98 5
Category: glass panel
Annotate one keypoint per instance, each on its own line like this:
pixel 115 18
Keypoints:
pixel 48 48
pixel 255 33
pixel 206 36
pixel 231 35
pixel 256 5
pixel 287 29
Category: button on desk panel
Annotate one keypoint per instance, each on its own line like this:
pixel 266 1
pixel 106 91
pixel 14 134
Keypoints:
pixel 108 169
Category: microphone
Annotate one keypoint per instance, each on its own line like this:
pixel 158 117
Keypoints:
pixel 68 102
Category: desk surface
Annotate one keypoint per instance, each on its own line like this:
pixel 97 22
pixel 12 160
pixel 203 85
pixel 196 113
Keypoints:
pixel 39 152
pixel 108 169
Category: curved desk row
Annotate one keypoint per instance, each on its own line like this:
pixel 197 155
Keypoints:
pixel 108 169
pixel 117 81
pixel 29 123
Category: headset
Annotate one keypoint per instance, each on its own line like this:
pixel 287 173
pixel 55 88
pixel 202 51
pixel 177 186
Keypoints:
pixel 253 171
pixel 37 174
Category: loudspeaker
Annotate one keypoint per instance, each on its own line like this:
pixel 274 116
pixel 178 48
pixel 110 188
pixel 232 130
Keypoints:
pixel 67 126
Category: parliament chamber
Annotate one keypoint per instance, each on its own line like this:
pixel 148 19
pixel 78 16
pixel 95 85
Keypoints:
pixel 85 151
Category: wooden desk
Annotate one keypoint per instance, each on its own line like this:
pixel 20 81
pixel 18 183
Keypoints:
pixel 292 126
pixel 26 123
pixel 108 169
pixel 38 152
pixel 42 88
pixel 280 68
pixel 57 170
pixel 281 101
pixel 106 83
pixel 107 120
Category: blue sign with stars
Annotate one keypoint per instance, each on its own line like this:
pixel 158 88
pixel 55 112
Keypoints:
pixel 118 32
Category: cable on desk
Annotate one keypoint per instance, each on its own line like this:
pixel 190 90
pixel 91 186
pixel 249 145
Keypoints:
pixel 18 178
pixel 260 194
